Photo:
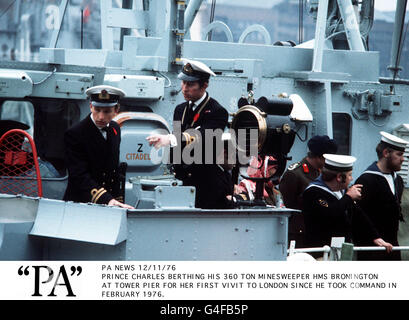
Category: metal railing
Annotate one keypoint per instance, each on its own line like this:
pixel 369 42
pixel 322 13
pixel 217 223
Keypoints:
pixel 339 250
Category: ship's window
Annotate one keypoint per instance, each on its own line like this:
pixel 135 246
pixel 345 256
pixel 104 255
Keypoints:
pixel 21 111
pixel 342 125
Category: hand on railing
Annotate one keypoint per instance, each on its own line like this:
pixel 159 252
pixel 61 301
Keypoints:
pixel 381 243
pixel 116 203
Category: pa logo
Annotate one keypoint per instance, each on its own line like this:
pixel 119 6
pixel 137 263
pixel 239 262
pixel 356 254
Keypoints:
pixel 46 280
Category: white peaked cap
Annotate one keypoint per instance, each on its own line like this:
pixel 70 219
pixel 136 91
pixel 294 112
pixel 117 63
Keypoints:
pixel 194 70
pixel 339 162
pixel 104 95
pixel 108 89
pixel 199 66
pixel 394 141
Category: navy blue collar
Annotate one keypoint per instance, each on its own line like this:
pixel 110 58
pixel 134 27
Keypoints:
pixel 373 167
pixel 320 182
pixel 322 185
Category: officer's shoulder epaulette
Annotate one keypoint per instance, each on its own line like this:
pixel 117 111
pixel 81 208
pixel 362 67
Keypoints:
pixel 294 166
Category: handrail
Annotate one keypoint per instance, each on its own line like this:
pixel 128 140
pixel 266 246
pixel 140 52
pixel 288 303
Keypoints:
pixel 327 250
pixel 256 28
pixel 315 249
pixel 397 248
pixel 218 25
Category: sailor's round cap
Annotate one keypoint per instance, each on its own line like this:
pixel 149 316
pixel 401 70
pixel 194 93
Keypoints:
pixel 338 162
pixel 104 96
pixel 194 71
pixel 318 145
pixel 393 141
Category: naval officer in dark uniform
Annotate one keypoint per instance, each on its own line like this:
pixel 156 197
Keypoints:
pixel 381 196
pixel 297 177
pixel 191 119
pixel 92 151
pixel 329 205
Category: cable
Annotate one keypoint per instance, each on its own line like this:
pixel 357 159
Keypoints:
pixel 170 82
pixel 306 133
pixel 47 77
pixel 212 10
pixel 374 123
pixel 335 34
pixel 300 20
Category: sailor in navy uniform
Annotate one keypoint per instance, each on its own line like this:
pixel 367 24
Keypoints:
pixel 381 196
pixel 191 119
pixel 329 205
pixel 297 177
pixel 92 151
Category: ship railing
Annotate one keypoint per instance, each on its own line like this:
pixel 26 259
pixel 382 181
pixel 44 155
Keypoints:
pixel 339 250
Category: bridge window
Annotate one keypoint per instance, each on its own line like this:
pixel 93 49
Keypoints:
pixel 342 128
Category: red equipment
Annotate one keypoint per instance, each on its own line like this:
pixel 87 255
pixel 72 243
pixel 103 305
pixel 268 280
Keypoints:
pixel 19 168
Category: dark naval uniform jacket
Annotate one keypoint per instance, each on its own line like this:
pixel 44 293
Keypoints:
pixel 220 186
pixel 208 115
pixel 383 208
pixel 292 184
pixel 328 216
pixel 92 162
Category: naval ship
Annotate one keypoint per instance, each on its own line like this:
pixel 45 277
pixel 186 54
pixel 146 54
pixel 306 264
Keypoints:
pixel 331 82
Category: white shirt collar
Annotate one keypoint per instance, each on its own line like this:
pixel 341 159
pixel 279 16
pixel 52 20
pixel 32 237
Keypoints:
pixel 198 102
pixel 104 134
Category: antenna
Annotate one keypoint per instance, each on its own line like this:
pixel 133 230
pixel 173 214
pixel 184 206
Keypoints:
pixel 82 28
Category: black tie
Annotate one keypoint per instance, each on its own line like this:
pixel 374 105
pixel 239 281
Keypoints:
pixel 106 130
pixel 189 113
